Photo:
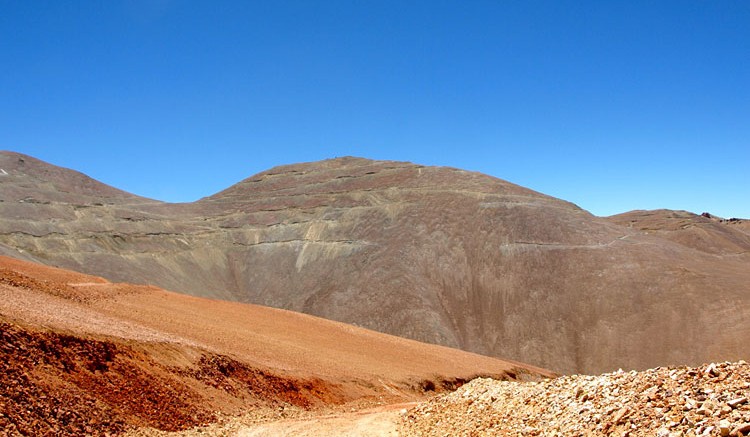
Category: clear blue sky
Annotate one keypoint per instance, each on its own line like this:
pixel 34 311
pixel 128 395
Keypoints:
pixel 613 105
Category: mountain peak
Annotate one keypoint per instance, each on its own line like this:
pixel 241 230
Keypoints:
pixel 357 175
pixel 27 178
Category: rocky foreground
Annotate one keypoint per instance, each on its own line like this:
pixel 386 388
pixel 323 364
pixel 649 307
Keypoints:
pixel 712 400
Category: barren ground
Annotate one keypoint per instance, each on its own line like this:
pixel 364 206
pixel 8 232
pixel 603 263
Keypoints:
pixel 80 355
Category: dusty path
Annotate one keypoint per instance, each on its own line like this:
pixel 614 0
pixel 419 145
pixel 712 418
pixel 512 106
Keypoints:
pixel 374 422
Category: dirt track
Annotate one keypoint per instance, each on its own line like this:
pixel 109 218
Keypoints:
pixel 375 422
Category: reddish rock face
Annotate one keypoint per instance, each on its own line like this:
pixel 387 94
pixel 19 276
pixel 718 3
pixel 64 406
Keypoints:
pixel 435 254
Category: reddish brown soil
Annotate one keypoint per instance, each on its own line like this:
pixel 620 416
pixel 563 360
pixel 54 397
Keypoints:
pixel 80 355
pixel 61 384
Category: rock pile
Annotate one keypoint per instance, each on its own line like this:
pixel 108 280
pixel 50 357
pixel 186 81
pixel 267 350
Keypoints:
pixel 712 400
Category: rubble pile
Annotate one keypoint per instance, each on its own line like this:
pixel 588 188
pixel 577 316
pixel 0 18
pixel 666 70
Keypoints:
pixel 711 400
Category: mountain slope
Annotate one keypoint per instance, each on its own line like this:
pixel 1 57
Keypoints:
pixel 703 232
pixel 80 355
pixel 430 253
pixel 28 179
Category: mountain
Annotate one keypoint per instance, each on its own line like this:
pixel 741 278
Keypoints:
pixel 29 180
pixel 435 254
pixel 81 355
pixel 704 233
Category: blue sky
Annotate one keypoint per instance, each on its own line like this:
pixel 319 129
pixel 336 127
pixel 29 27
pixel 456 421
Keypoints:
pixel 613 105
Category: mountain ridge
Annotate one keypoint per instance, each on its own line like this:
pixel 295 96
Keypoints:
pixel 432 253
pixel 64 182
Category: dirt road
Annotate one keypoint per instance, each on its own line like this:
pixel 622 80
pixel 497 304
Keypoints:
pixel 374 422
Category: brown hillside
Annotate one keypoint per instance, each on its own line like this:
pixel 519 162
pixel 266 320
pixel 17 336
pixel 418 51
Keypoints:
pixel 704 232
pixel 30 180
pixel 430 253
pixel 80 355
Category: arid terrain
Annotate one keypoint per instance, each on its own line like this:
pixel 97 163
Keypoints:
pixel 710 400
pixel 435 254
pixel 439 255
pixel 81 355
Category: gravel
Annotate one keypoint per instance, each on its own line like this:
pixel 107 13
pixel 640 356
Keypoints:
pixel 711 400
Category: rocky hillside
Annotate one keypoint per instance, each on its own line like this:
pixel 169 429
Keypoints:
pixel 82 356
pixel 430 253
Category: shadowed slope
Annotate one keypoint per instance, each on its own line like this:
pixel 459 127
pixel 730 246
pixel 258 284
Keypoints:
pixel 430 253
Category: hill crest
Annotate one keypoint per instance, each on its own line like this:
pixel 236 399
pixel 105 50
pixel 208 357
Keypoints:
pixel 435 254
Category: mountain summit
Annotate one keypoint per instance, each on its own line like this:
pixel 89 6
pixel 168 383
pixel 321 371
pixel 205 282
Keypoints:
pixel 431 253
